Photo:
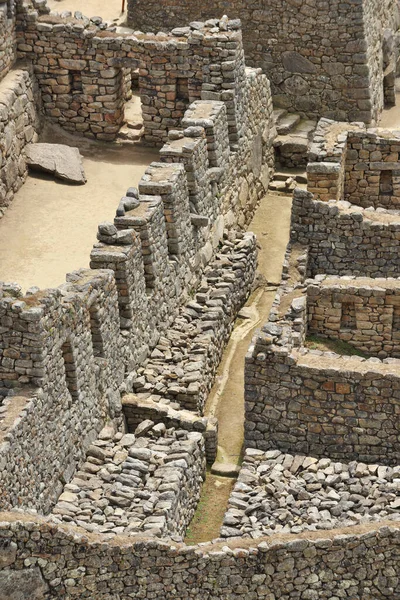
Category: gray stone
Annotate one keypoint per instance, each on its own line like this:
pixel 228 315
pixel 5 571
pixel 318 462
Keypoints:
pixel 296 63
pixel 63 161
pixel 27 584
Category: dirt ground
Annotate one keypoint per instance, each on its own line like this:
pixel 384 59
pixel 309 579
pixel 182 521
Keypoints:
pixel 50 227
pixel 109 10
pixel 390 118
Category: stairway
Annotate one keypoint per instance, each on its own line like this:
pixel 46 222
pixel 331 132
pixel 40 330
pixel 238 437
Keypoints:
pixel 293 139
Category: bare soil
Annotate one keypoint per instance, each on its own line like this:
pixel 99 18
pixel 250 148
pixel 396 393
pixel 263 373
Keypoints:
pixel 109 10
pixel 50 227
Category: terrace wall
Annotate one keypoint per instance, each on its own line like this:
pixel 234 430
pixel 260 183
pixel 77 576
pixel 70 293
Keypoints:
pixel 360 563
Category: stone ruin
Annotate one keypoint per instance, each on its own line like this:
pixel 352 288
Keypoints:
pixel 103 381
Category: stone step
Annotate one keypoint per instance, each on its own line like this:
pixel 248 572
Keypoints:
pixel 283 186
pixel 306 126
pixel 279 113
pixel 287 124
pixel 283 176
pixel 128 134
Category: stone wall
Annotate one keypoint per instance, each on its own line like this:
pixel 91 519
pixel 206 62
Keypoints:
pixel 364 313
pixel 147 482
pixel 7 36
pixel 19 125
pixel 152 407
pixel 64 345
pixel 42 560
pixel 372 175
pixel 320 404
pixel 348 162
pixel 82 75
pixel 201 330
pixel 323 59
pixel 343 239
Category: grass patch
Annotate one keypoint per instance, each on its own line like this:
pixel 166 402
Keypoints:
pixel 316 342
pixel 207 519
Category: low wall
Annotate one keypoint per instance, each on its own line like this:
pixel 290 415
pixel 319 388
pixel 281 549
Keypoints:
pixel 158 410
pixel 361 563
pixel 346 240
pixel 319 404
pixel 282 493
pixel 19 125
pixel 364 313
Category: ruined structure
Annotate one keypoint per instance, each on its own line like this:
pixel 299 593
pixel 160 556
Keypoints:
pixel 324 59
pixel 103 380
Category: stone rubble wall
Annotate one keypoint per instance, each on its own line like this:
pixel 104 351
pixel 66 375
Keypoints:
pixel 344 239
pixel 49 345
pixel 282 493
pixel 8 42
pixel 152 407
pixel 82 74
pixel 323 59
pixel 374 307
pixel 149 483
pixel 326 167
pixel 370 156
pixel 348 162
pixel 19 125
pixel 319 404
pixel 41 559
pixel 183 364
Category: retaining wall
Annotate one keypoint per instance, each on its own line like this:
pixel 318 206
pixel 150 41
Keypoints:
pixel 360 563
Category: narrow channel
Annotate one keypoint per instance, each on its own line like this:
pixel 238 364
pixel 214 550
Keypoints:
pixel 271 224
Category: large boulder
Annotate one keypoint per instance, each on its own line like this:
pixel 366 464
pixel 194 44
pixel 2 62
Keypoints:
pixel 63 161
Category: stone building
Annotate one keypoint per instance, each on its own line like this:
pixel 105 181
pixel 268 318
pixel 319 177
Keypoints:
pixel 324 59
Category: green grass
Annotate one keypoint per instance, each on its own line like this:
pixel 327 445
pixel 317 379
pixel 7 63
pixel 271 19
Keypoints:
pixel 316 342
pixel 210 511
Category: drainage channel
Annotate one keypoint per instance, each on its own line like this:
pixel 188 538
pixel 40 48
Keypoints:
pixel 271 224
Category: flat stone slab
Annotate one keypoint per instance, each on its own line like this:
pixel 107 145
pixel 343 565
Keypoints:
pixel 63 161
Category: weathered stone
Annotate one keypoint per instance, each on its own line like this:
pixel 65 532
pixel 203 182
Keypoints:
pixel 63 161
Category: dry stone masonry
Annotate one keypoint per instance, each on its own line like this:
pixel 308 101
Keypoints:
pixel 148 482
pixel 333 59
pixel 103 380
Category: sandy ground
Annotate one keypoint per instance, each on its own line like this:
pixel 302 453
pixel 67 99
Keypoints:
pixel 271 224
pixel 107 9
pixel 390 118
pixel 50 227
